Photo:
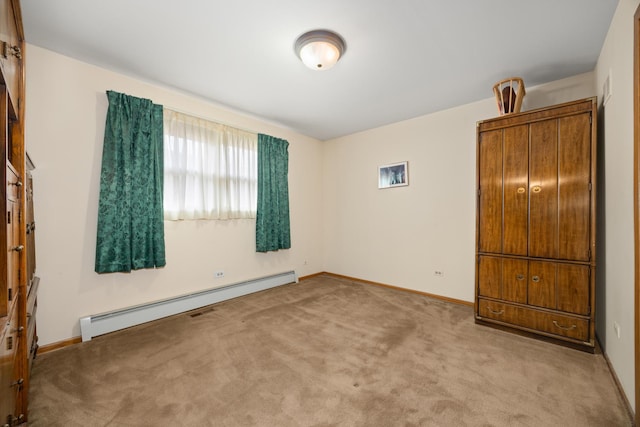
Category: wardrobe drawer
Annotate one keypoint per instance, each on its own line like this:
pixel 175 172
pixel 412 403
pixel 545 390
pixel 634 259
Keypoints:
pixel 551 323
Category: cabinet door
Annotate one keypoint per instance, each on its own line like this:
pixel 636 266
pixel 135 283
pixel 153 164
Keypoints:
pixel 543 189
pixel 560 192
pixel 503 278
pixel 574 178
pixel 542 284
pixel 516 183
pixel 490 276
pixel 490 197
pixel 514 280
pixel 573 288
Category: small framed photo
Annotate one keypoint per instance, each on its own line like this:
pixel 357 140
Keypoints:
pixel 393 175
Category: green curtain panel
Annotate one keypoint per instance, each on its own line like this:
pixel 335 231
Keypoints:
pixel 272 217
pixel 130 217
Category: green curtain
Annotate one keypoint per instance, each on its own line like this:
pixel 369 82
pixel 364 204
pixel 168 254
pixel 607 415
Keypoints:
pixel 130 217
pixel 272 217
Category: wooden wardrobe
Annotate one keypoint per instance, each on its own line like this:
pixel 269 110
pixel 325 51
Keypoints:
pixel 536 228
pixel 18 285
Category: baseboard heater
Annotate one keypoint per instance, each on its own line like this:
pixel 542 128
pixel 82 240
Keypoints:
pixel 99 324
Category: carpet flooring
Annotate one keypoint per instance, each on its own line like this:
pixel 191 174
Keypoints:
pixel 324 352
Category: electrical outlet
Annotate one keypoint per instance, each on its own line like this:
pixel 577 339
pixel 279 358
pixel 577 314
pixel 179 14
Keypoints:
pixel 438 273
pixel 616 329
pixel 219 274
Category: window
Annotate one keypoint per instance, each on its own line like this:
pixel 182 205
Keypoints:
pixel 210 170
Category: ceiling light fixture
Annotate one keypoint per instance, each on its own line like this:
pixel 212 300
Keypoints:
pixel 320 49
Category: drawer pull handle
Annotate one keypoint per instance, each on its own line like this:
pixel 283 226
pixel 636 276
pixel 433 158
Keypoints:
pixel 564 328
pixel 19 248
pixel 495 312
pixel 520 190
pixel 536 189
pixel 535 279
pixel 520 276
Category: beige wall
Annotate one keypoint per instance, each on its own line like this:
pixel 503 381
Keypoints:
pixel 401 236
pixel 616 251
pixel 66 110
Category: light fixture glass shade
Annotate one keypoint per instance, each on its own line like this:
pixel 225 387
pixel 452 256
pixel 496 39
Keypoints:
pixel 319 55
pixel 320 49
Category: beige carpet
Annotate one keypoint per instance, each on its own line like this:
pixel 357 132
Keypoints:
pixel 324 352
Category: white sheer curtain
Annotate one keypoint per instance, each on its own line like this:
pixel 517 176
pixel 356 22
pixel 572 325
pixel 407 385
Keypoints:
pixel 210 170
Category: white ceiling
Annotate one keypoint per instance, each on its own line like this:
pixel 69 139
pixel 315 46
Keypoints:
pixel 404 58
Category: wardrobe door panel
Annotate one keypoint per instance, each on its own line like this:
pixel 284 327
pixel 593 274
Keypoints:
pixel 490 198
pixel 514 280
pixel 573 288
pixel 543 189
pixel 574 177
pixel 542 284
pixel 516 184
pixel 490 277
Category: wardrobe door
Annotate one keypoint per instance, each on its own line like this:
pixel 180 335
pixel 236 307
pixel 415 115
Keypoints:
pixel 490 189
pixel 490 277
pixel 514 280
pixel 542 284
pixel 543 189
pixel 574 187
pixel 516 184
pixel 573 288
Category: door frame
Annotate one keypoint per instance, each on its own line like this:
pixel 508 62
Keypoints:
pixel 636 202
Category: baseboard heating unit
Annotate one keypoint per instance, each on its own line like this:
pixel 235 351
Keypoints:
pixel 99 324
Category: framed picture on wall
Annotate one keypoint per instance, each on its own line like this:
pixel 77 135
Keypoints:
pixel 393 175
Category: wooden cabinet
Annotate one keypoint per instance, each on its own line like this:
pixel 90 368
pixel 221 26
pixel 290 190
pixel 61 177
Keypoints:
pixel 535 231
pixel 18 286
